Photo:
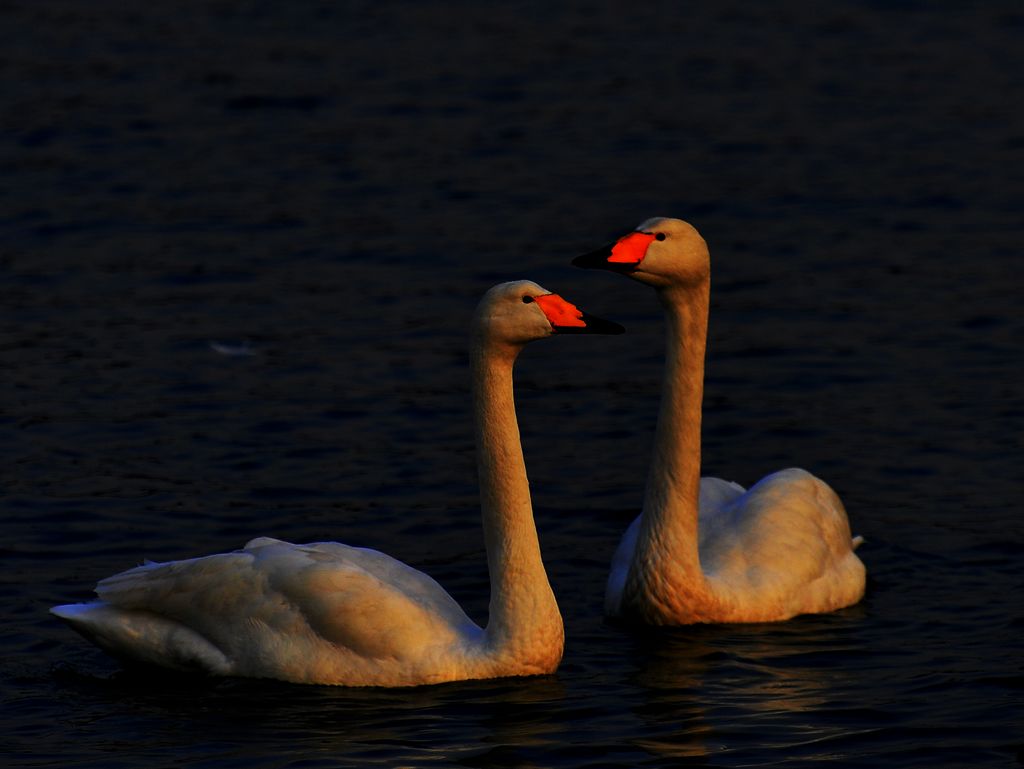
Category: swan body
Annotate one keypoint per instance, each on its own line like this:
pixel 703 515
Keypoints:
pixel 329 613
pixel 321 612
pixel 705 549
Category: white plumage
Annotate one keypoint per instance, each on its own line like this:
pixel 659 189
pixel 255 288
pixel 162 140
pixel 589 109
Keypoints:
pixel 704 549
pixel 335 614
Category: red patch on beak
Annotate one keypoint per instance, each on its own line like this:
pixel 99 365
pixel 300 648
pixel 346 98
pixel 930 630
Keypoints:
pixel 559 312
pixel 631 248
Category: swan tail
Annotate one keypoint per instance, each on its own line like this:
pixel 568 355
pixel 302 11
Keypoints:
pixel 143 637
pixel 856 542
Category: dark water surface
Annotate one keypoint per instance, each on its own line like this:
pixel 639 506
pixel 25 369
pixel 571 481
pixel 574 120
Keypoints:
pixel 332 186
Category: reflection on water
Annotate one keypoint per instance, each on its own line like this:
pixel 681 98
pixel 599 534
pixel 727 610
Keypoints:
pixel 484 723
pixel 722 688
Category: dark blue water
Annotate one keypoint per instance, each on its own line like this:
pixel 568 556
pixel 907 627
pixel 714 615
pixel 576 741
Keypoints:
pixel 332 186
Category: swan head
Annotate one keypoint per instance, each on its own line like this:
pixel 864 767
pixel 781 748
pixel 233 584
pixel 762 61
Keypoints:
pixel 661 252
pixel 521 311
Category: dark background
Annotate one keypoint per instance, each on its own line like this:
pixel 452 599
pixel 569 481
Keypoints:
pixel 329 188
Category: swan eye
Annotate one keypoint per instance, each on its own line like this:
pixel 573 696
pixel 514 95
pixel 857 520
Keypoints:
pixel 527 299
pixel 659 236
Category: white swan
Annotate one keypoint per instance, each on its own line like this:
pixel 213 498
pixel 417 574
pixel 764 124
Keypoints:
pixel 333 614
pixel 703 549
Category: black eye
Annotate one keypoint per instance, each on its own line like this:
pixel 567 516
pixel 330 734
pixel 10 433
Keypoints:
pixel 660 236
pixel 527 299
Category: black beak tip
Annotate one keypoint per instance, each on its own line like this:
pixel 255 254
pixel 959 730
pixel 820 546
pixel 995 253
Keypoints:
pixel 602 326
pixel 616 329
pixel 593 260
pixel 591 325
pixel 598 260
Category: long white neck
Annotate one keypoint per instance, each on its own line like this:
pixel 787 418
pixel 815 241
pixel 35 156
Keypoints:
pixel 524 617
pixel 666 565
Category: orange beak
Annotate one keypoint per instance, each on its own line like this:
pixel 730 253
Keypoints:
pixel 567 318
pixel 621 256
